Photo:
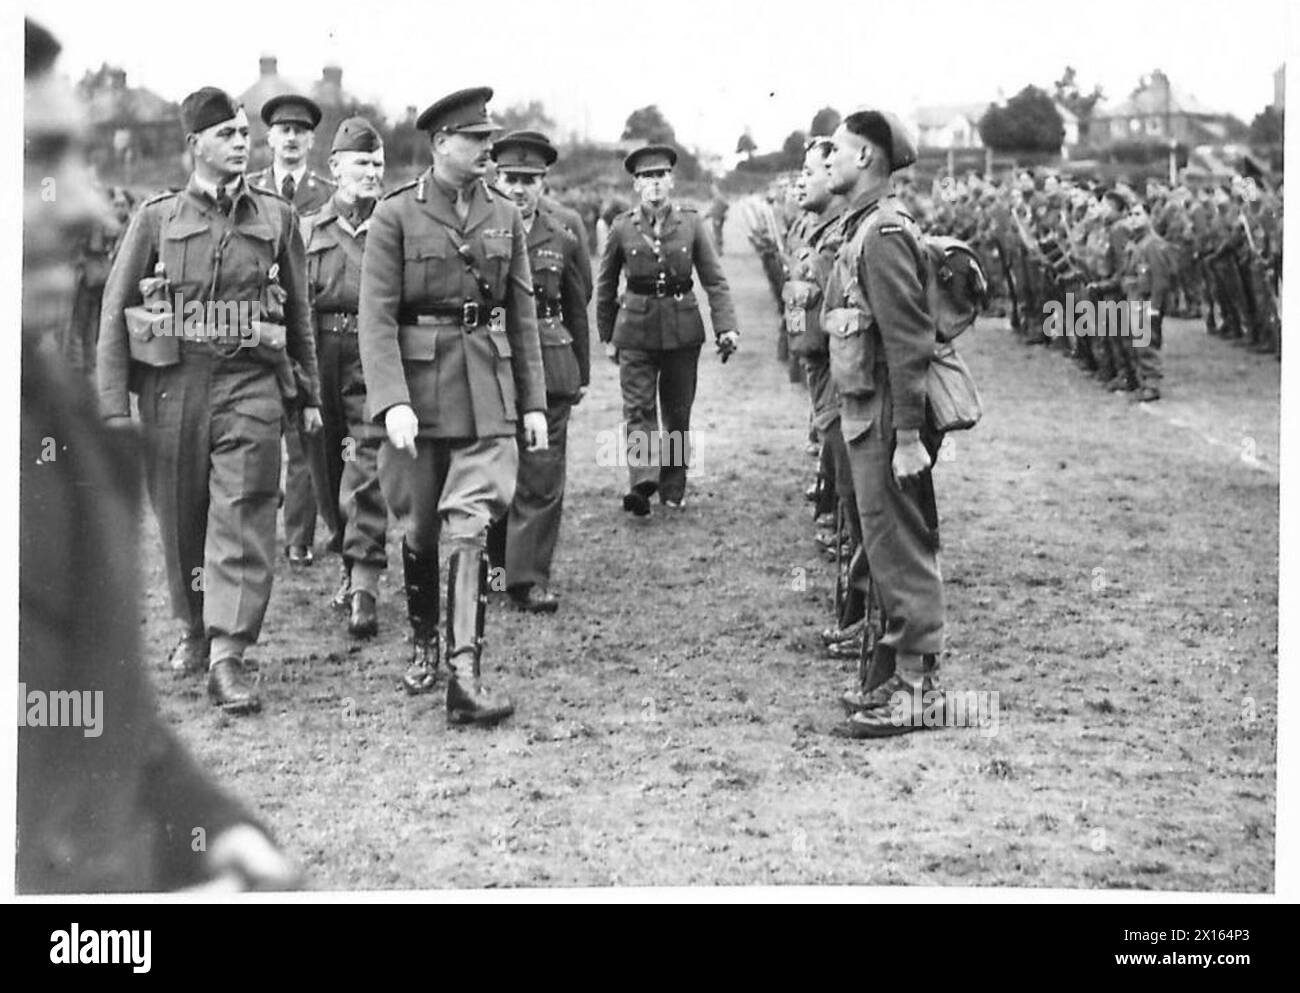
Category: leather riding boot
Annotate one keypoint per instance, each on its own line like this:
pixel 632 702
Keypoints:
pixel 468 700
pixel 422 609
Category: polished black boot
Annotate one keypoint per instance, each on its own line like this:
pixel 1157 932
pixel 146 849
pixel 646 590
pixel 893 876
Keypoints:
pixel 422 603
pixel 363 618
pixel 229 690
pixel 468 700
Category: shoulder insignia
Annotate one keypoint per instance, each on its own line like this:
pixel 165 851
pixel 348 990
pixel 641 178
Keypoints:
pixel 264 192
pixel 322 179
pixel 890 229
pixel 400 189
pixel 687 208
pixel 160 197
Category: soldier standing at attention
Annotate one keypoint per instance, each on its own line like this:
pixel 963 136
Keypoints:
pixel 211 410
pixel 654 331
pixel 335 237
pixel 882 339
pixel 453 368
pixel 525 539
pixel 291 122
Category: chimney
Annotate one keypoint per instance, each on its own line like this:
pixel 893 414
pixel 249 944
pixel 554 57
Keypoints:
pixel 332 75
pixel 267 64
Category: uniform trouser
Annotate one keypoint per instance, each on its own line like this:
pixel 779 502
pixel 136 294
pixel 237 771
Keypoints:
pixel 299 494
pixel 212 465
pixel 529 532
pixel 82 331
pixel 843 471
pixel 460 484
pixel 350 491
pixel 1268 322
pixel 658 384
pixel 1228 294
pixel 1029 284
pixel 900 535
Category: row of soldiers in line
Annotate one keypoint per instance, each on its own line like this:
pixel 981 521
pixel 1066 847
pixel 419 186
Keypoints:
pixel 1213 252
pixel 845 267
pixel 1047 244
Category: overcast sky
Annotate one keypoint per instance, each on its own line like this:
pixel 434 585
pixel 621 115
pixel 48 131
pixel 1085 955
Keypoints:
pixel 714 68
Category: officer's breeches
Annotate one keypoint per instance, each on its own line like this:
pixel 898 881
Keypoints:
pixel 533 525
pixel 212 458
pixel 901 546
pixel 655 456
pixel 463 484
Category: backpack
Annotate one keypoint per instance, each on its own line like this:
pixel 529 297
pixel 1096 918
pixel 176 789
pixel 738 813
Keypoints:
pixel 958 289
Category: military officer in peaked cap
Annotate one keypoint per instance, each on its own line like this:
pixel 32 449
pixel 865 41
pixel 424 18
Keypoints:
pixel 654 330
pixel 334 238
pixel 882 339
pixel 569 218
pixel 525 539
pixel 212 405
pixel 453 369
pixel 291 121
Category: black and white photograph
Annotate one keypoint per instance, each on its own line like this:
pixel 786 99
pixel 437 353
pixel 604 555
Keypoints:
pixel 584 450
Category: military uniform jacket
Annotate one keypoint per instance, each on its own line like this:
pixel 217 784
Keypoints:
pixel 334 249
pixel 814 249
pixel 1111 264
pixel 309 196
pixel 571 221
pixel 462 382
pixel 207 257
pixel 645 320
pixel 880 271
pixel 561 277
pixel 1150 271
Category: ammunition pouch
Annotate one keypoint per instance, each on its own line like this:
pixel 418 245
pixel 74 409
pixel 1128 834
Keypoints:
pixel 151 337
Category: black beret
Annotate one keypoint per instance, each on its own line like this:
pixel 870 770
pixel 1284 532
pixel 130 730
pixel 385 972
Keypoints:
pixel 464 111
pixel 41 50
pixel 659 156
pixel 291 108
pixel 205 107
pixel 524 151
pixel 356 134
pixel 886 131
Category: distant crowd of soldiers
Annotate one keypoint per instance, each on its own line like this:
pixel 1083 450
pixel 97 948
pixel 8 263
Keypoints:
pixel 1213 252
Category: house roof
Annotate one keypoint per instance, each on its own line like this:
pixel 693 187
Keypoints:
pixel 941 115
pixel 110 101
pixel 1157 98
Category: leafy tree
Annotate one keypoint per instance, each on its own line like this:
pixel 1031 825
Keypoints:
pixel 648 124
pixel 1266 128
pixel 792 148
pixel 746 146
pixel 530 116
pixel 1028 122
pixel 825 121
pixel 1066 92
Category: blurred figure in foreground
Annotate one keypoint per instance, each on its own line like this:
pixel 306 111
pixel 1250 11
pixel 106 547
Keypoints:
pixel 108 799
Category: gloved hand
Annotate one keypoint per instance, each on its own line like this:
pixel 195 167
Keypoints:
pixel 728 344
pixel 402 426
